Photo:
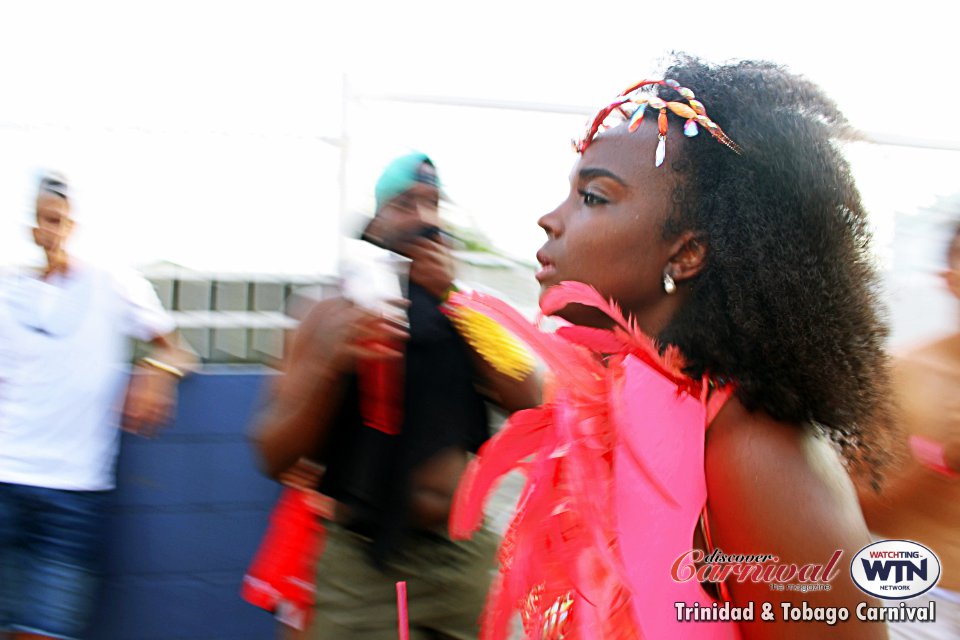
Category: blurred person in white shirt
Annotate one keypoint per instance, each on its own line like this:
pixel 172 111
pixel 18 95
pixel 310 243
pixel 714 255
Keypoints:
pixel 65 334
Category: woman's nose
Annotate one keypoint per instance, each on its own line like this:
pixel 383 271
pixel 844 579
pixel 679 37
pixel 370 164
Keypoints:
pixel 551 223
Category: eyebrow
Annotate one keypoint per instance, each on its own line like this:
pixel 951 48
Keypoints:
pixel 590 173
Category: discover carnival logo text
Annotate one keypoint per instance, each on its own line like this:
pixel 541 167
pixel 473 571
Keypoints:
pixel 888 569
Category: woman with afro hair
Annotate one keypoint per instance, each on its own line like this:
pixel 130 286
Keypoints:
pixel 718 374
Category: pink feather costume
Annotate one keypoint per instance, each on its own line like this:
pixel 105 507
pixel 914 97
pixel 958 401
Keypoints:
pixel 615 483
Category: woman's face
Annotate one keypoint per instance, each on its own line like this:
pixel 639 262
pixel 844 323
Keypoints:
pixel 608 232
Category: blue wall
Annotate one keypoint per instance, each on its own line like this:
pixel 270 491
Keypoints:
pixel 190 510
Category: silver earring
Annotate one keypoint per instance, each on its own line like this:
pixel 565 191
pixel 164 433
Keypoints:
pixel 669 286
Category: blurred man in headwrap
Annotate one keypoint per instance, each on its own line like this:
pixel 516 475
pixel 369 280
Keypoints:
pixel 393 473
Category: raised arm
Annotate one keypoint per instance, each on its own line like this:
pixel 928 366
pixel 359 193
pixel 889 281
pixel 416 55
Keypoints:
pixel 308 394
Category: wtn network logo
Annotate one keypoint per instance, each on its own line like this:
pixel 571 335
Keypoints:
pixel 895 569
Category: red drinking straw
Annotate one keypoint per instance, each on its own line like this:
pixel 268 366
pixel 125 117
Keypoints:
pixel 403 625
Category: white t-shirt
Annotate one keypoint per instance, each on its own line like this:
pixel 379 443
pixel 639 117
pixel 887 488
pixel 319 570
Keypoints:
pixel 64 356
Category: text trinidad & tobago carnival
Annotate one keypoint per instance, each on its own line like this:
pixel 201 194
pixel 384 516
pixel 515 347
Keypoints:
pixel 719 567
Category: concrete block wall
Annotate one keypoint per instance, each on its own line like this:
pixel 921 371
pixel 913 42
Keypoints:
pixel 234 308
pixel 190 510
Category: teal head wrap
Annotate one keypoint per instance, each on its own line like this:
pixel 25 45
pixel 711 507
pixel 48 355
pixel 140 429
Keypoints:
pixel 403 173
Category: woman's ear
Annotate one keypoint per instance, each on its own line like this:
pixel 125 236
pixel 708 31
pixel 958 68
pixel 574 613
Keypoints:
pixel 688 257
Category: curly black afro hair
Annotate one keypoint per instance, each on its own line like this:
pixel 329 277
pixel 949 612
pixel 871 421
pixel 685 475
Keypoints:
pixel 787 304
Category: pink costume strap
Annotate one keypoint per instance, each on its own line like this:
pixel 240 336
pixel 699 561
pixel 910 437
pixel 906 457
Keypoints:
pixel 716 401
pixel 722 587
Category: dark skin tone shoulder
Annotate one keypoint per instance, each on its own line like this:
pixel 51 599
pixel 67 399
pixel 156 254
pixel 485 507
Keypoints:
pixel 777 488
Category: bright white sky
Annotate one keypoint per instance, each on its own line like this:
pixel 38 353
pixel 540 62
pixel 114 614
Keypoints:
pixel 192 130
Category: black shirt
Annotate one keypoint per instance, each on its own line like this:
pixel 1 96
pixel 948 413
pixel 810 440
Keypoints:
pixel 369 470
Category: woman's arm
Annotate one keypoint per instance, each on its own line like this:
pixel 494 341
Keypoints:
pixel 776 488
pixel 507 392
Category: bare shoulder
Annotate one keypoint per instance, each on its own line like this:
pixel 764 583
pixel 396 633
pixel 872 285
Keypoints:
pixel 752 456
pixel 933 359
pixel 925 380
pixel 777 488
pixel 943 346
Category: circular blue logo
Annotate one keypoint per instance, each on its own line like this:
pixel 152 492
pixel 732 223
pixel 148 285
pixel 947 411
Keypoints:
pixel 895 569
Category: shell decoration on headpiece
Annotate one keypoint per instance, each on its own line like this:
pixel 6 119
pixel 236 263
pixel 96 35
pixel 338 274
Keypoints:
pixel 692 111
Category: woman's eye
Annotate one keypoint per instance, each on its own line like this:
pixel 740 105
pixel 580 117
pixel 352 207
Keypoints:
pixel 591 199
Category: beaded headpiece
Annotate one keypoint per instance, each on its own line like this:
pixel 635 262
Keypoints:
pixel 693 111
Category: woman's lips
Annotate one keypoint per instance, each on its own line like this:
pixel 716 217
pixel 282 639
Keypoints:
pixel 547 269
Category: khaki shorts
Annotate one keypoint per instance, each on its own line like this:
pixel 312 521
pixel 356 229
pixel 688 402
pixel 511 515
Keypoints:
pixel 447 585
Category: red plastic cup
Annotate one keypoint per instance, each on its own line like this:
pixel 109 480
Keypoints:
pixel 381 392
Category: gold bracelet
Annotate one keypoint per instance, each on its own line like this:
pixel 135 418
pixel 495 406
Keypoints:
pixel 163 366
